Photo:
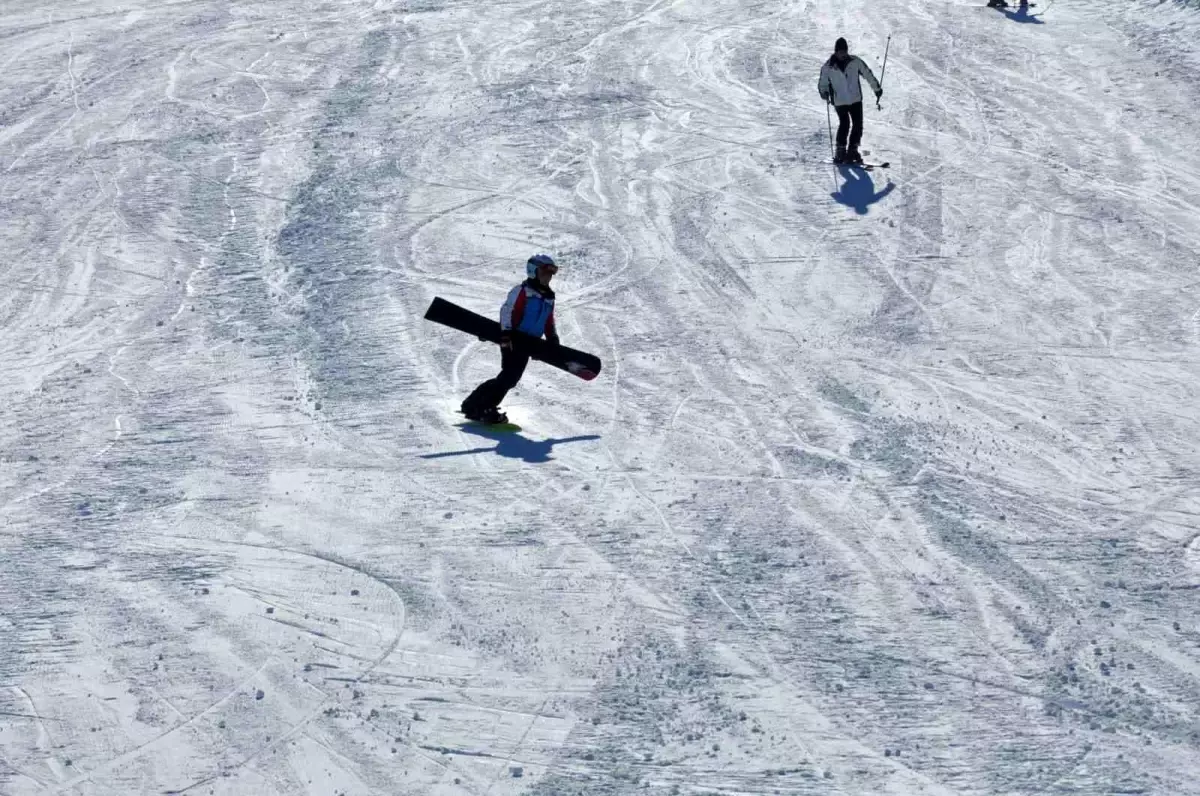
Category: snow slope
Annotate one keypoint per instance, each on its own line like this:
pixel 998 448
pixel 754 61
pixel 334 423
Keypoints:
pixel 890 484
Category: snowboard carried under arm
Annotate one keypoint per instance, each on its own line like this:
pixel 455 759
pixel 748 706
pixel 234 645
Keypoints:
pixel 578 363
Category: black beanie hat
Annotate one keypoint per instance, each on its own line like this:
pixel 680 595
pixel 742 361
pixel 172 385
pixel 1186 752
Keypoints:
pixel 840 44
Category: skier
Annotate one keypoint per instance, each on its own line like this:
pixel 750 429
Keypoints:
pixel 839 84
pixel 528 310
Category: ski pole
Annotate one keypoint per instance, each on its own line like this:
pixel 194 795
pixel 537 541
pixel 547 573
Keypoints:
pixel 883 72
pixel 829 122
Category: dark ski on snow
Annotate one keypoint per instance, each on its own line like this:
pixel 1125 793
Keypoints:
pixel 863 166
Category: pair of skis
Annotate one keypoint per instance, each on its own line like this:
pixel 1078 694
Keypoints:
pixel 863 166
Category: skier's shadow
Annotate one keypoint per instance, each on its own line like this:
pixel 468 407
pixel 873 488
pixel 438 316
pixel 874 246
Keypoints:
pixel 1022 15
pixel 859 191
pixel 511 445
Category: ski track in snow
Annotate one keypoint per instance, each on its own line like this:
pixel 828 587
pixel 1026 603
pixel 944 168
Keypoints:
pixel 889 484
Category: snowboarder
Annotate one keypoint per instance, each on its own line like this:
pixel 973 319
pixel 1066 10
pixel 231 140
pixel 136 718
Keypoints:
pixel 528 310
pixel 839 85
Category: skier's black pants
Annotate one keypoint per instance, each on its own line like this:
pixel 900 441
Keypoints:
pixel 489 394
pixel 849 115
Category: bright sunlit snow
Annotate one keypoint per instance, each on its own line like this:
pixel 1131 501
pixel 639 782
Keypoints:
pixel 890 484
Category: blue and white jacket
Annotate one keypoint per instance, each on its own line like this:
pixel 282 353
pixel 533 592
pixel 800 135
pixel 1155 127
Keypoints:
pixel 529 309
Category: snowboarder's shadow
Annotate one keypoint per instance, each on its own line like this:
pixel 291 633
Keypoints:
pixel 859 190
pixel 511 445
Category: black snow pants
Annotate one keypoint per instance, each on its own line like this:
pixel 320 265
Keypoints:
pixel 849 115
pixel 489 394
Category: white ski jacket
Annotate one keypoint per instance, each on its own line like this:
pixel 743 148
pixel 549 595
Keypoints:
pixel 841 82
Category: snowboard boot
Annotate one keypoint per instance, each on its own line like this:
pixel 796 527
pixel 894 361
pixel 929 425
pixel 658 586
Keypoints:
pixel 840 156
pixel 489 417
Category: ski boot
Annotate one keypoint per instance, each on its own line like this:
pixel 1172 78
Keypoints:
pixel 853 157
pixel 840 156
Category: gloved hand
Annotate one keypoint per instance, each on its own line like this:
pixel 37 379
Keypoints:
pixel 506 339
pixel 825 96
pixel 552 339
pixel 879 92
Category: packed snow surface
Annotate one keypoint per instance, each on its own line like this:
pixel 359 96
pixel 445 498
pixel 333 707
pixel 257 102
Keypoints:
pixel 890 485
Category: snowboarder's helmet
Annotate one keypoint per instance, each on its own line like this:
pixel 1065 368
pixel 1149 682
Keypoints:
pixel 540 261
pixel 840 46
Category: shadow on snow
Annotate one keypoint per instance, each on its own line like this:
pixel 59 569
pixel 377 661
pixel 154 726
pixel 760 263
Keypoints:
pixel 1021 15
pixel 859 190
pixel 511 445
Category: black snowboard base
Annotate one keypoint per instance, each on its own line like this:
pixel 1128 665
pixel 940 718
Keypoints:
pixel 578 363
pixel 499 428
